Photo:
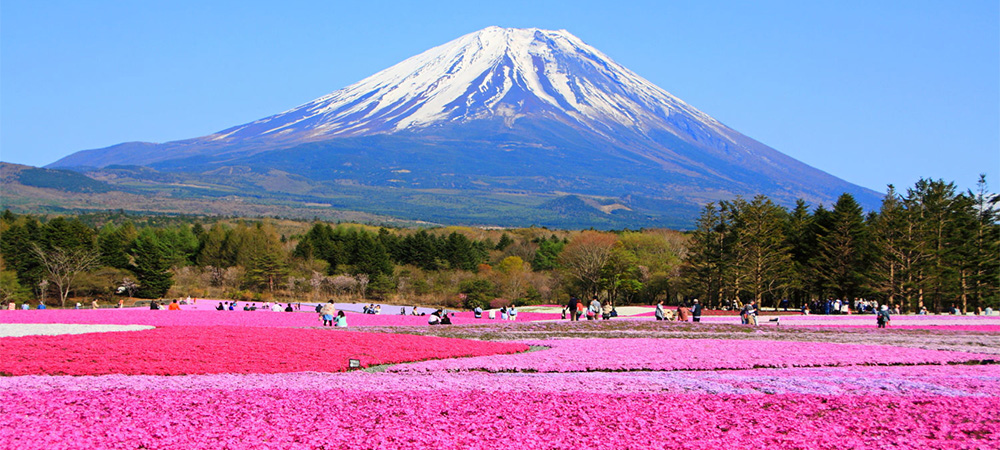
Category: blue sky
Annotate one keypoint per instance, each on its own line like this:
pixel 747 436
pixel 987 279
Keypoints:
pixel 872 92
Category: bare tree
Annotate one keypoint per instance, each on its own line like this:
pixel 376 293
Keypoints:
pixel 128 286
pixel 585 256
pixel 64 265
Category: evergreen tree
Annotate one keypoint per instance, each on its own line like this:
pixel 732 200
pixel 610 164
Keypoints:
pixel 985 277
pixel 113 246
pixel 150 265
pixel 763 257
pixel 801 245
pixel 370 257
pixel 843 250
pixel 704 267
pixel 504 242
pixel 547 255
pixel 890 248
pixel 938 225
pixel 267 269
pixel 477 292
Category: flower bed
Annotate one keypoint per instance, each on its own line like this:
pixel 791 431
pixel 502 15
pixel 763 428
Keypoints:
pixel 133 316
pixel 276 418
pixel 196 350
pixel 581 355
pixel 947 381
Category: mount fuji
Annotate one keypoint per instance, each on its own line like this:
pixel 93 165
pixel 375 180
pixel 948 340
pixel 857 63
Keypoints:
pixel 501 126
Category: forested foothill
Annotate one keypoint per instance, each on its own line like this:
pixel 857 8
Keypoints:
pixel 931 246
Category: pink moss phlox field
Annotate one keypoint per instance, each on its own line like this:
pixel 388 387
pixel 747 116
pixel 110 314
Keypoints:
pixel 196 350
pixel 578 355
pixel 135 316
pixel 949 381
pixel 336 418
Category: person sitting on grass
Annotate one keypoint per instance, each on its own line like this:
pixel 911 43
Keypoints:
pixel 220 307
pixel 341 320
pixel 289 308
pixel 435 318
pixel 446 320
pixel 174 306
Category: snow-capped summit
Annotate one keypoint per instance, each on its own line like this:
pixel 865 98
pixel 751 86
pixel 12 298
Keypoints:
pixel 493 73
pixel 522 112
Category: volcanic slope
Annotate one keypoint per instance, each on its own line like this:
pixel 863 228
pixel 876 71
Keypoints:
pixel 501 126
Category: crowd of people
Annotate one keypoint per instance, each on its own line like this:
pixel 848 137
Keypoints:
pixel 575 309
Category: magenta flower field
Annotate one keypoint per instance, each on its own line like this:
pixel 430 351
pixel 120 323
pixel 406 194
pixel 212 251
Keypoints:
pixel 240 379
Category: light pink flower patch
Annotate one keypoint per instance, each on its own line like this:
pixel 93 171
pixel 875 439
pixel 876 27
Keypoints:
pixel 947 381
pixel 581 355
pixel 336 418
pixel 199 350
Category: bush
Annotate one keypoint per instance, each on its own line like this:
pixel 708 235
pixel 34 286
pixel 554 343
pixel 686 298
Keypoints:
pixel 499 303
pixel 477 292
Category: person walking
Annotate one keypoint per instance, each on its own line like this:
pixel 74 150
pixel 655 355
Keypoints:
pixel 571 308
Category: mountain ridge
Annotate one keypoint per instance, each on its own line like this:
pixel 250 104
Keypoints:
pixel 502 110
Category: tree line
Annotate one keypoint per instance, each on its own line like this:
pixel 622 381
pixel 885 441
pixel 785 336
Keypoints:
pixel 928 247
pixel 932 246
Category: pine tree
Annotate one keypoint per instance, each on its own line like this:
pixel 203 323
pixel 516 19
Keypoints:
pixel 762 255
pixel 843 250
pixel 890 249
pixel 150 266
pixel 985 277
pixel 370 257
pixel 938 236
pixel 801 245
pixel 113 247
pixel 704 266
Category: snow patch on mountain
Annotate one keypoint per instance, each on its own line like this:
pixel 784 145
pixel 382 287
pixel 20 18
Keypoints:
pixel 503 73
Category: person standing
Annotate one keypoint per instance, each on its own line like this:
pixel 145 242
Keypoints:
pixel 682 313
pixel 327 312
pixel 571 307
pixel 594 309
pixel 512 312
pixel 606 312
pixel 882 317
pixel 174 306
pixel 696 311
pixel 659 310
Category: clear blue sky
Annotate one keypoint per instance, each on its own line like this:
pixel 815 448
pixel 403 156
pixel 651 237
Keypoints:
pixel 874 92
